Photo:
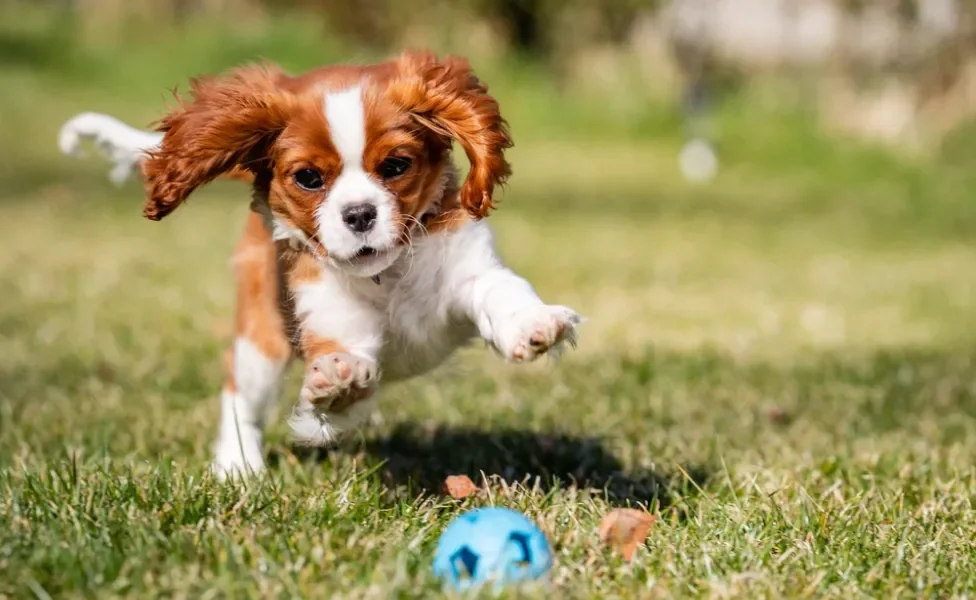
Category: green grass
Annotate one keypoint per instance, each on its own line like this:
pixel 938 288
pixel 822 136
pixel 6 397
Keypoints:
pixel 779 364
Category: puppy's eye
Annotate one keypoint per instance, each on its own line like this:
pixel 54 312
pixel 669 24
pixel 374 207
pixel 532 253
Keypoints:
pixel 309 179
pixel 393 166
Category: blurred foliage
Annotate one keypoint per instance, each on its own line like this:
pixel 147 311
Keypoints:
pixel 618 62
pixel 539 27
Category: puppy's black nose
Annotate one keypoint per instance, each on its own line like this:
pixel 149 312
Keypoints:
pixel 359 217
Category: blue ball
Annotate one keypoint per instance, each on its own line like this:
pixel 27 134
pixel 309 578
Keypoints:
pixel 491 544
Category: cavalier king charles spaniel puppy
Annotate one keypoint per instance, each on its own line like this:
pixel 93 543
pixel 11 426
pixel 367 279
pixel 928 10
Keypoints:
pixel 363 254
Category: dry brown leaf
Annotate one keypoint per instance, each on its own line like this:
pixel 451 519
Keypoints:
pixel 624 529
pixel 458 486
pixel 778 415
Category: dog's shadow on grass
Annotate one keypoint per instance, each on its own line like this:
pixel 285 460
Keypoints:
pixel 422 458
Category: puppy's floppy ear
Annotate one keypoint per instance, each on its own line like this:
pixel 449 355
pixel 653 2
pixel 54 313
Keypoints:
pixel 447 97
pixel 228 123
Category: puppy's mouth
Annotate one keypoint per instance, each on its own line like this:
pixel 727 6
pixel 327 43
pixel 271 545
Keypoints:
pixel 368 256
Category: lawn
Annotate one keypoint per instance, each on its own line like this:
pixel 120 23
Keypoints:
pixel 779 365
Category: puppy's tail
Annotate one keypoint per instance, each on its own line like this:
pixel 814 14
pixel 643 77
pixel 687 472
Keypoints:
pixel 125 146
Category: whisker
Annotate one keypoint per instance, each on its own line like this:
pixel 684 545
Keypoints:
pixel 313 249
pixel 419 223
pixel 410 247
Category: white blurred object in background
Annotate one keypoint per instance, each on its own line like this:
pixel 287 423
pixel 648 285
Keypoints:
pixel 698 161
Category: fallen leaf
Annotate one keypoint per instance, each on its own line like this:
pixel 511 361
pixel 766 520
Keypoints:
pixel 458 486
pixel 624 529
pixel 105 372
pixel 778 415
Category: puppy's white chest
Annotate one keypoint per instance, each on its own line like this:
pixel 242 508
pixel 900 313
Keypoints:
pixel 414 318
pixel 421 329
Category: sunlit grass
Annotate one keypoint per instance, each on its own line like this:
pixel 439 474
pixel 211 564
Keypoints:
pixel 779 364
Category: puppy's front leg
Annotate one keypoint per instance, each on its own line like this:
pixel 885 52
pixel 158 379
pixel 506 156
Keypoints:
pixel 340 340
pixel 507 311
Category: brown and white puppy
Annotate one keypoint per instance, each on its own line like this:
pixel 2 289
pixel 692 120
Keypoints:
pixel 363 251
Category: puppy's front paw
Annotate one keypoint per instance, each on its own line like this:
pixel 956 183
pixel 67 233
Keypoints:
pixel 532 332
pixel 336 381
pixel 336 399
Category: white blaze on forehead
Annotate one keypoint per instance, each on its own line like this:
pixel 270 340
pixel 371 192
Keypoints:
pixel 345 114
pixel 352 186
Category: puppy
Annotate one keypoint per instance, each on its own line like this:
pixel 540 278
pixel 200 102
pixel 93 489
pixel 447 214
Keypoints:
pixel 363 255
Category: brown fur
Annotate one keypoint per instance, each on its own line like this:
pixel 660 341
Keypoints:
pixel 258 124
pixel 258 317
pixel 314 347
pixel 446 97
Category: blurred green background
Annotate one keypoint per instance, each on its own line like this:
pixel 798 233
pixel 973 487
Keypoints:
pixel 792 91
pixel 778 361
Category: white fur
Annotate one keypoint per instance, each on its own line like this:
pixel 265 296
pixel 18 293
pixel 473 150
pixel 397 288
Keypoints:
pixel 125 146
pixel 447 289
pixel 347 125
pixel 433 297
pixel 319 305
pixel 239 449
pixel 311 427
